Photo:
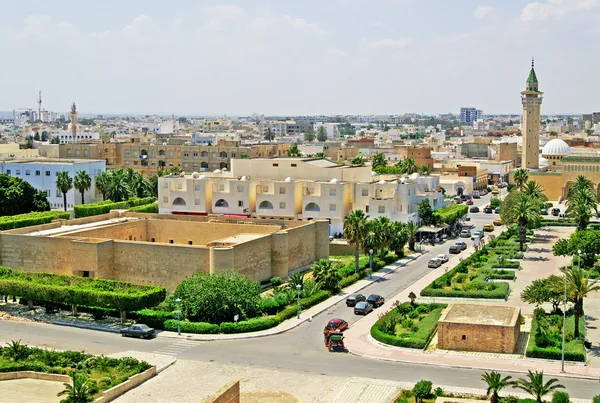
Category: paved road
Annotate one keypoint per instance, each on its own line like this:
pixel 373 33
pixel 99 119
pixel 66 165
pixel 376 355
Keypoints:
pixel 299 350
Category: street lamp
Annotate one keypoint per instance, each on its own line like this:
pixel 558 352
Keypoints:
pixel 370 264
pixel 178 300
pixel 299 288
pixel 73 367
pixel 579 259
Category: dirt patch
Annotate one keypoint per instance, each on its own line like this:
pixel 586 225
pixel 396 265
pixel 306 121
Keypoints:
pixel 268 396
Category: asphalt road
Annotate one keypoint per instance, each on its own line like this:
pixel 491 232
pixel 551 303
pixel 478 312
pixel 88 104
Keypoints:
pixel 300 349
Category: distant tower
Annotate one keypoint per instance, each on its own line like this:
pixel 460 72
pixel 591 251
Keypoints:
pixel 530 127
pixel 39 116
pixel 73 123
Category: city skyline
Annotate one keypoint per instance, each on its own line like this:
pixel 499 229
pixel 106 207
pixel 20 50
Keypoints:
pixel 340 57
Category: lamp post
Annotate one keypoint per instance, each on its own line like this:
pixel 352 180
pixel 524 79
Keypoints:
pixel 73 367
pixel 579 259
pixel 178 300
pixel 562 361
pixel 370 264
pixel 299 288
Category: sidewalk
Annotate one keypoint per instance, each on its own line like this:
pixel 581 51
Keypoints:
pixel 305 315
pixel 360 342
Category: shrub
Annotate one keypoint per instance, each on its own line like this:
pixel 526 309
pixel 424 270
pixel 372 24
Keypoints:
pixel 155 319
pixel 146 208
pixel 269 306
pixel 596 399
pixel 383 330
pixel 191 327
pixel 250 325
pixel 439 392
pixel 560 397
pixel 498 291
pixel 276 281
pixel 422 390
pixel 287 313
pixel 29 219
pixel 314 299
pixel 87 210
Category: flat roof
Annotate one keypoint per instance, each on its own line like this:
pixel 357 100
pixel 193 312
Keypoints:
pixel 57 161
pixel 475 314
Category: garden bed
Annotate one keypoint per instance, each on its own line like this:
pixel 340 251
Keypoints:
pixel 549 347
pixel 407 325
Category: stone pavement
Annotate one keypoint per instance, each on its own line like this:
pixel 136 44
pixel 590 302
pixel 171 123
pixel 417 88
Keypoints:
pixel 539 262
pixel 30 391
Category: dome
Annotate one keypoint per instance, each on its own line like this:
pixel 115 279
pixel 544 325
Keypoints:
pixel 334 180
pixel 288 179
pixel 414 176
pixel 382 182
pixel 556 147
pixel 217 171
pixel 373 173
pixel 543 162
pixel 244 178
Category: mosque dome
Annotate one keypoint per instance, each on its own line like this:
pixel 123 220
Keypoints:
pixel 543 162
pixel 556 147
pixel 335 181
pixel 414 176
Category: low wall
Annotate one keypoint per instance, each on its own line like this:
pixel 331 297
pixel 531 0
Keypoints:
pixel 230 393
pixel 340 249
pixel 116 391
pixel 6 376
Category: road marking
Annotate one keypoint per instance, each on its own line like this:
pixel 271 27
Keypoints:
pixel 178 347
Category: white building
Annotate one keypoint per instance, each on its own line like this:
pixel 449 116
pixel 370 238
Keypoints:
pixel 41 173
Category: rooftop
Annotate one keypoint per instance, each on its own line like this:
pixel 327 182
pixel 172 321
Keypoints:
pixel 489 315
pixel 57 161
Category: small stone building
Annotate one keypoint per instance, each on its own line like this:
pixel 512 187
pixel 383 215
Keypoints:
pixel 483 328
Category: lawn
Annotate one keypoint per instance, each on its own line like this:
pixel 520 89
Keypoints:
pixel 407 325
pixel 547 343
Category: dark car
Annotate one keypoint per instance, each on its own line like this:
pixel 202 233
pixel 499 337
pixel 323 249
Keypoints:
pixel 474 209
pixel 470 202
pixel 555 212
pixel 376 300
pixel 462 245
pixel 488 210
pixel 363 308
pixel 336 324
pixel 455 249
pixel 141 331
pixel 353 299
pixel 497 210
pixel 543 212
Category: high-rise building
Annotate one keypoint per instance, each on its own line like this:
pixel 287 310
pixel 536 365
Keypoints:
pixel 468 115
pixel 530 127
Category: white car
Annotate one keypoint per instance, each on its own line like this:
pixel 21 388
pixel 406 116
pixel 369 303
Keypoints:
pixel 476 234
pixel 441 257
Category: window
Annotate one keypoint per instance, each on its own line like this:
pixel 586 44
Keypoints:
pixel 367 209
pixel 58 193
pixel 135 162
pixel 332 192
pixel 282 205
pixel 294 165
pixel 27 172
pixel 38 173
pixel 56 173
pixel 179 186
pixel 127 153
pixel 195 154
pixel 221 188
pixel 170 153
pixel 240 203
pixel 47 173
pixel 152 240
pixel 170 241
pixel 197 188
pixel 275 164
pixel 381 209
pixel 19 172
pixel 332 207
pixel 190 242
pixel 186 154
pixel 165 185
pixel 8 171
pixel 165 199
pixel 464 337
pixel 365 192
pixel 240 188
pixel 47 192
pixel 265 189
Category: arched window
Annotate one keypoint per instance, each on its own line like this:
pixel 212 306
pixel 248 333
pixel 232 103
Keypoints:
pixel 204 164
pixel 222 203
pixel 161 153
pixel 223 154
pixel 223 165
pixel 265 205
pixel 178 202
pixel 204 154
pixel 312 207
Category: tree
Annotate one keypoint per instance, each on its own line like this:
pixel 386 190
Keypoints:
pixel 82 182
pixel 535 385
pixel 218 297
pixel 411 232
pixel 535 191
pixel 544 290
pixel 412 296
pixel 326 273
pixel 118 189
pixel 64 183
pixel 293 151
pixel 358 160
pixel 44 135
pixel 586 241
pixel 578 287
pixel 40 201
pixel 426 213
pixel 309 135
pixel 378 160
pixel 495 383
pixel 398 238
pixel 520 177
pixel 103 182
pixel 581 201
pixel 355 230
pixel 408 166
pixel 321 134
pixel 36 136
pixel 422 390
pixel 80 391
pixel 55 140
pixel 522 209
pixel 19 197
pixel 424 170
pixel 269 135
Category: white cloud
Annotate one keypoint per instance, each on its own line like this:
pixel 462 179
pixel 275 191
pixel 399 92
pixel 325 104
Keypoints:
pixel 276 23
pixel 41 26
pixel 388 43
pixel 556 9
pixel 300 24
pixel 221 15
pixel 482 12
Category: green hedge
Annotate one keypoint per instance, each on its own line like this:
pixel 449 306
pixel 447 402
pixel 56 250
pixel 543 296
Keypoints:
pixel 87 210
pixel 574 349
pixel 507 264
pixel 419 339
pixel 250 325
pixel 557 223
pixel 146 208
pixel 452 213
pixel 26 220
pixel 191 327
pixel 502 275
pixel 46 287
pixel 501 292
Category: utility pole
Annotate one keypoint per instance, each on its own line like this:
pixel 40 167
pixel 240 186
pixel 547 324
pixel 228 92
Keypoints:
pixel 39 117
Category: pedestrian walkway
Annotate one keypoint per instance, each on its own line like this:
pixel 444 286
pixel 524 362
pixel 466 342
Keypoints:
pixel 177 348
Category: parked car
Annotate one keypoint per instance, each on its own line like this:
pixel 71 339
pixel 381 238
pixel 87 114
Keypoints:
pixel 561 215
pixel 474 209
pixel 488 227
pixel 495 191
pixel 467 218
pixel 555 212
pixel 484 192
pixel 465 233
pixel 434 263
pixel 375 300
pixel 454 249
pixel 363 308
pixel 336 324
pixel 442 257
pixel 461 244
pixel 487 210
pixel 476 234
pixel 544 211
pixel 476 194
pixel 353 299
pixel 497 210
pixel 498 222
pixel 139 330
pixel 469 202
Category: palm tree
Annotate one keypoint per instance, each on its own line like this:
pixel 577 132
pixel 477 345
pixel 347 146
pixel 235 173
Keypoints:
pixel 385 228
pixel 326 273
pixel 82 182
pixel 581 182
pixel 64 183
pixel 411 232
pixel 269 135
pixel 103 184
pixel 119 187
pixel 408 166
pixel 520 177
pixel 293 151
pixel 524 211
pixel 80 391
pixel 581 201
pixel 496 383
pixel 536 387
pixel 534 190
pixel 579 286
pixel 379 160
pixel 424 170
pixel 358 160
pixel 355 228
pixel 399 238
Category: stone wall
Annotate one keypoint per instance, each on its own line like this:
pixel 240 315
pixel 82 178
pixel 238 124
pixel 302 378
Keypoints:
pixel 38 254
pixel 230 393
pixel 478 337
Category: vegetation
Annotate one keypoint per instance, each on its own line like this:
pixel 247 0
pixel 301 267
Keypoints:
pixel 26 220
pixel 82 182
pixel 536 386
pixel 587 241
pixel 309 135
pixel 408 325
pixel 451 214
pixel 378 160
pixel 495 384
pixel 64 183
pixel 355 228
pixel 545 340
pixel 524 210
pixel 321 134
pixel 581 202
pixel 87 210
pixel 121 185
pixel 293 151
pixel 422 390
pixel 520 177
pixel 578 288
pixel 426 213
pixel 92 376
pixel 269 135
pixel 19 197
pixel 358 160
pixel 545 290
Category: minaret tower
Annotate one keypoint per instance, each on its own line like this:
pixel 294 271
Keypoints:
pixel 530 126
pixel 73 123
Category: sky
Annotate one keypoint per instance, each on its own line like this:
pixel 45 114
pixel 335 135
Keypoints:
pixel 298 57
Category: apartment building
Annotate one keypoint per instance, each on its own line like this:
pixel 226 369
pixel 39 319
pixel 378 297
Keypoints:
pixel 279 198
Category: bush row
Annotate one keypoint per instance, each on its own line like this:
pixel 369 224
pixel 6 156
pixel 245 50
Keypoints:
pixel 419 339
pixel 452 213
pixel 87 210
pixel 146 208
pixel 26 220
pixel 507 264
pixel 500 292
pixel 574 349
pixel 502 275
